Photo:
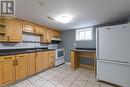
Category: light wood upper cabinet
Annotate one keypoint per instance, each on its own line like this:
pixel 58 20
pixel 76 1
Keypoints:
pixel 7 69
pixel 44 35
pixel 38 29
pixel 47 35
pixel 56 33
pixel 14 30
pixel 39 61
pixel 28 27
pixel 21 66
pixel 3 30
pixel 31 63
pixel 11 30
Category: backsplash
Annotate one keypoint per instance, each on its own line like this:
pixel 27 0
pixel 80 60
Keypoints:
pixel 31 37
pixel 20 45
pixel 25 44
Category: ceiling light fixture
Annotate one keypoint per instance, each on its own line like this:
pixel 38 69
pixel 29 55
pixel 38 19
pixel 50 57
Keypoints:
pixel 64 18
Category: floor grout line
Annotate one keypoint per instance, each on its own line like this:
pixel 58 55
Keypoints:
pixel 64 77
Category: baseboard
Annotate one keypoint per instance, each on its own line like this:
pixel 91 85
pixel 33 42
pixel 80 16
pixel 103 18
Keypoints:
pixel 68 63
pixel 86 66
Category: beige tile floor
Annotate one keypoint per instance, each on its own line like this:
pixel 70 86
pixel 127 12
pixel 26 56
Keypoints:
pixel 62 76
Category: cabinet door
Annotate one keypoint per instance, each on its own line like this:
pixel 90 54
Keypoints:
pixel 74 60
pixel 14 30
pixel 21 66
pixel 39 61
pixel 7 69
pixel 51 62
pixel 0 73
pixel 3 29
pixel 44 38
pixel 38 29
pixel 28 27
pixel 45 60
pixel 51 56
pixel 56 33
pixel 7 72
pixel 49 35
pixel 31 63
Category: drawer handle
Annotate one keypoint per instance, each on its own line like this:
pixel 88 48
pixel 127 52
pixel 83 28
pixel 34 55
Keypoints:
pixel 22 56
pixel 16 62
pixel 2 25
pixel 51 56
pixel 7 58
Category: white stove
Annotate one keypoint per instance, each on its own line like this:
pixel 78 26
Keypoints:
pixel 59 56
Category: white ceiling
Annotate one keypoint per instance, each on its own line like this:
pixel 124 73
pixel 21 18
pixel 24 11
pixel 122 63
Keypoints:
pixel 85 12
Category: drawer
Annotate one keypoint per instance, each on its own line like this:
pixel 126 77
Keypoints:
pixel 86 54
pixel 7 58
pixel 51 61
pixel 51 54
pixel 113 72
pixel 21 56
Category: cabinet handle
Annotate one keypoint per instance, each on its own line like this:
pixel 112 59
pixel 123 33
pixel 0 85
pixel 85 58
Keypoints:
pixel 51 56
pixel 8 38
pixel 16 62
pixel 7 58
pixel 2 25
pixel 22 56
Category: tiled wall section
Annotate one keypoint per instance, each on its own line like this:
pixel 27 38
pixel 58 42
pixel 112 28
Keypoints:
pixel 20 45
pixel 26 37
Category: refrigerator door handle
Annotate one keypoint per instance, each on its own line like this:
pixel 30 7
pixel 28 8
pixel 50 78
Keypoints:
pixel 97 43
pixel 113 61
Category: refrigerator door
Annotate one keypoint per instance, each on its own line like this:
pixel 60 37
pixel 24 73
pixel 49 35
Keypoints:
pixel 113 72
pixel 113 43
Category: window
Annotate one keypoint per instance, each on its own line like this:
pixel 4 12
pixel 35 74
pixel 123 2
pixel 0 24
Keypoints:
pixel 84 34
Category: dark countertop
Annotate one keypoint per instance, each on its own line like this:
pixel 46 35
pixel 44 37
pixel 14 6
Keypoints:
pixel 4 52
pixel 84 49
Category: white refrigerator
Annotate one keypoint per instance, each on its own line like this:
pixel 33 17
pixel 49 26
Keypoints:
pixel 113 54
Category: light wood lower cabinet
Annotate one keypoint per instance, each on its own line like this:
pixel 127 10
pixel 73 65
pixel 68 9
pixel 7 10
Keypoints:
pixel 74 60
pixel 39 61
pixel 0 73
pixel 51 57
pixel 21 66
pixel 16 67
pixel 7 69
pixel 45 60
pixel 8 72
pixel 31 63
pixel 89 56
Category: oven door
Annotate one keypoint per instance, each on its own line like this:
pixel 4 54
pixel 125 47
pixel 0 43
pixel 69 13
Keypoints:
pixel 60 53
